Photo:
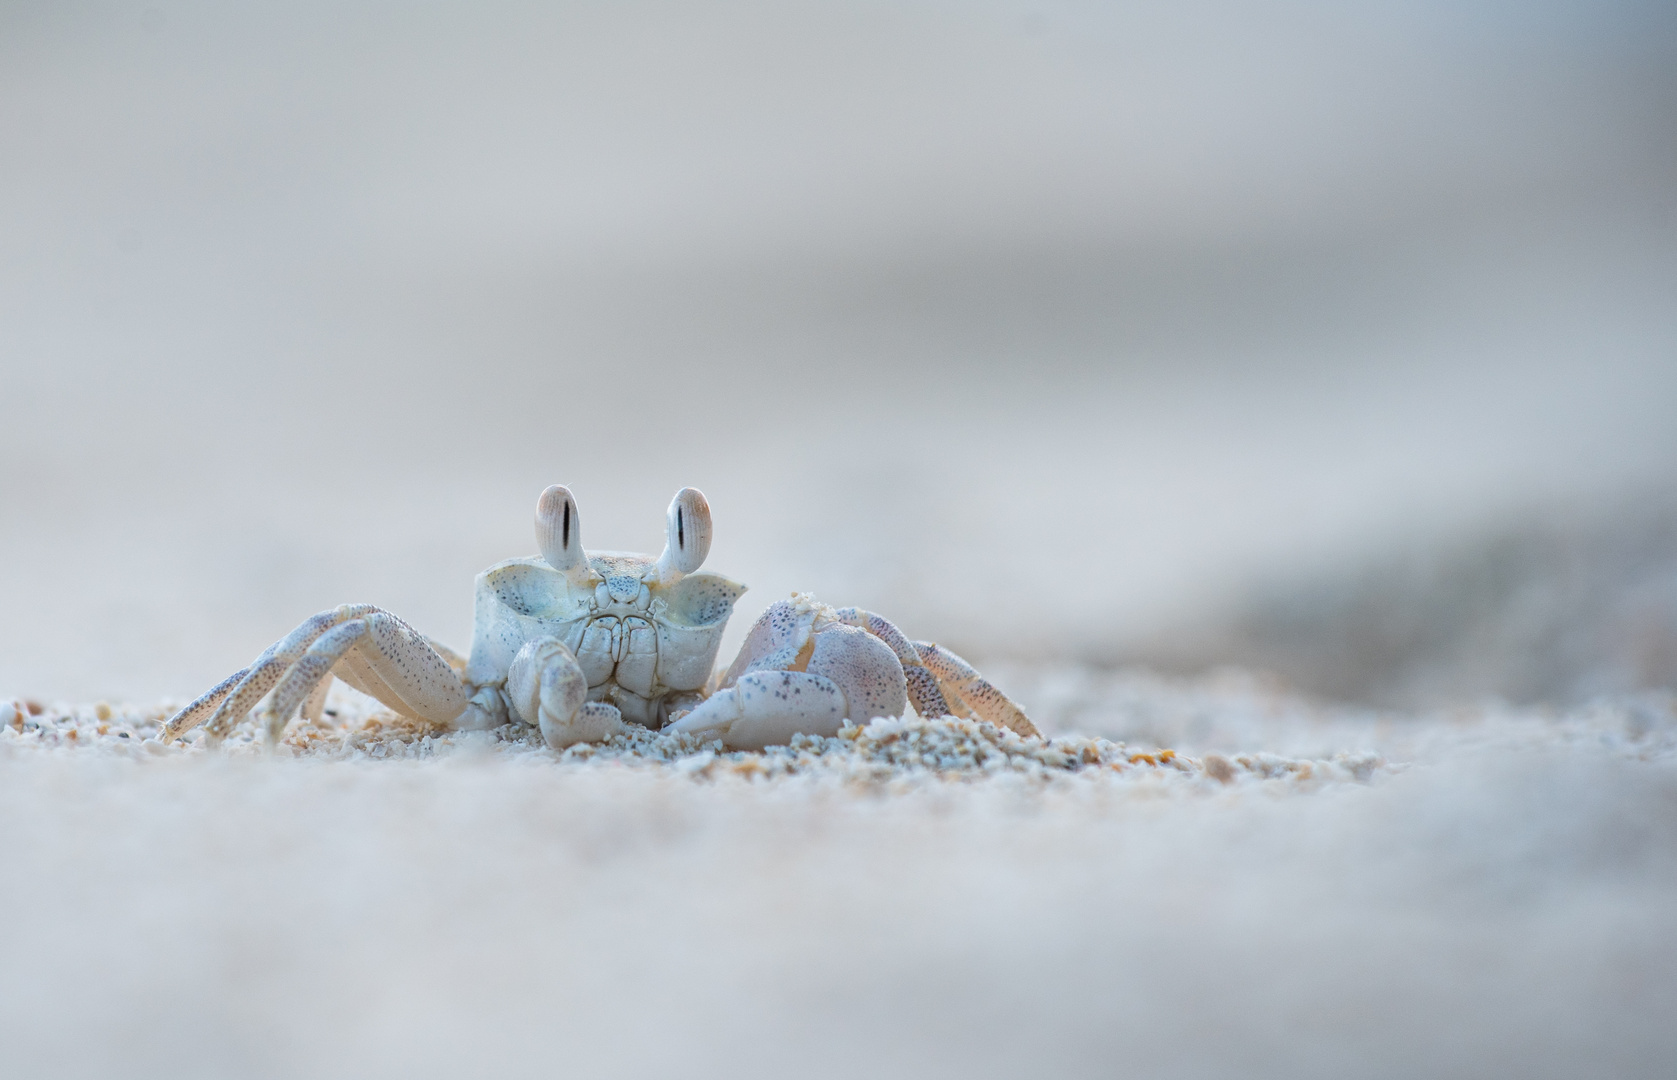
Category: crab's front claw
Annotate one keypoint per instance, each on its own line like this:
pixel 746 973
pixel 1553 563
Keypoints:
pixel 767 708
pixel 546 687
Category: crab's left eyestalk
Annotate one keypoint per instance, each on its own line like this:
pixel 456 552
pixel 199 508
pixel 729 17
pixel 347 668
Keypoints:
pixel 559 532
pixel 688 540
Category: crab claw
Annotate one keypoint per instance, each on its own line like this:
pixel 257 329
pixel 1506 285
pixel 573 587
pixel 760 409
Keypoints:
pixel 546 687
pixel 845 672
pixel 767 708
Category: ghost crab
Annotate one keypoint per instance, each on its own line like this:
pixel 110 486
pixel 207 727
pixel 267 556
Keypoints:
pixel 579 643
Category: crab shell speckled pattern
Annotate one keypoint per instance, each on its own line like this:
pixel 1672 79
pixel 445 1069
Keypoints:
pixel 639 643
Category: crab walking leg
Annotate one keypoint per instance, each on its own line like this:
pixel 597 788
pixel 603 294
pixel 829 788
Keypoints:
pixel 396 665
pixel 377 654
pixel 450 657
pixel 266 671
pixel 922 684
pixel 957 707
pixel 314 706
pixel 311 670
pixel 258 678
pixel 767 708
pixel 203 706
pixel 975 690
pixel 923 690
pixel 546 687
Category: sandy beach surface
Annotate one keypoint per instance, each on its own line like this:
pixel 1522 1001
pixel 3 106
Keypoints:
pixel 1299 891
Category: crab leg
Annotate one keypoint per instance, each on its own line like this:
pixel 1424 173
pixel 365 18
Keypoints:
pixel 194 714
pixel 396 665
pixel 928 667
pixel 314 706
pixel 963 683
pixel 259 678
pixel 311 670
pixel 382 656
pixel 388 666
pixel 450 657
pixel 923 688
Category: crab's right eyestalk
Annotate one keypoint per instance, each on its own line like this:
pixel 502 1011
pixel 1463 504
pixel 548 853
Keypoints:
pixel 688 539
pixel 559 532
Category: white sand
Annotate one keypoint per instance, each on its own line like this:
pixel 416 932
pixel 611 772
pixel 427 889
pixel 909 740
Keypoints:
pixel 1489 892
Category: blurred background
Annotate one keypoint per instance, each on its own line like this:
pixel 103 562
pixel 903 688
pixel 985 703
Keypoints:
pixel 1334 339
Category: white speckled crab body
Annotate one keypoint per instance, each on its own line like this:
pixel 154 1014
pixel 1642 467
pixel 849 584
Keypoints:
pixel 579 643
pixel 645 647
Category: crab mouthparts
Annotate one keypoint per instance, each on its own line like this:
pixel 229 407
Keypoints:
pixel 623 589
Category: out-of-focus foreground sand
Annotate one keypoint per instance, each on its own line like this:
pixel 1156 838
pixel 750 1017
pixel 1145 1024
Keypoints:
pixel 1491 898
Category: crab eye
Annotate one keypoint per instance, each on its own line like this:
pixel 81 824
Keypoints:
pixel 688 541
pixel 558 532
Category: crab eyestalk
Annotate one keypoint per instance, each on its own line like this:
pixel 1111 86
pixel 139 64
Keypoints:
pixel 559 532
pixel 687 541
